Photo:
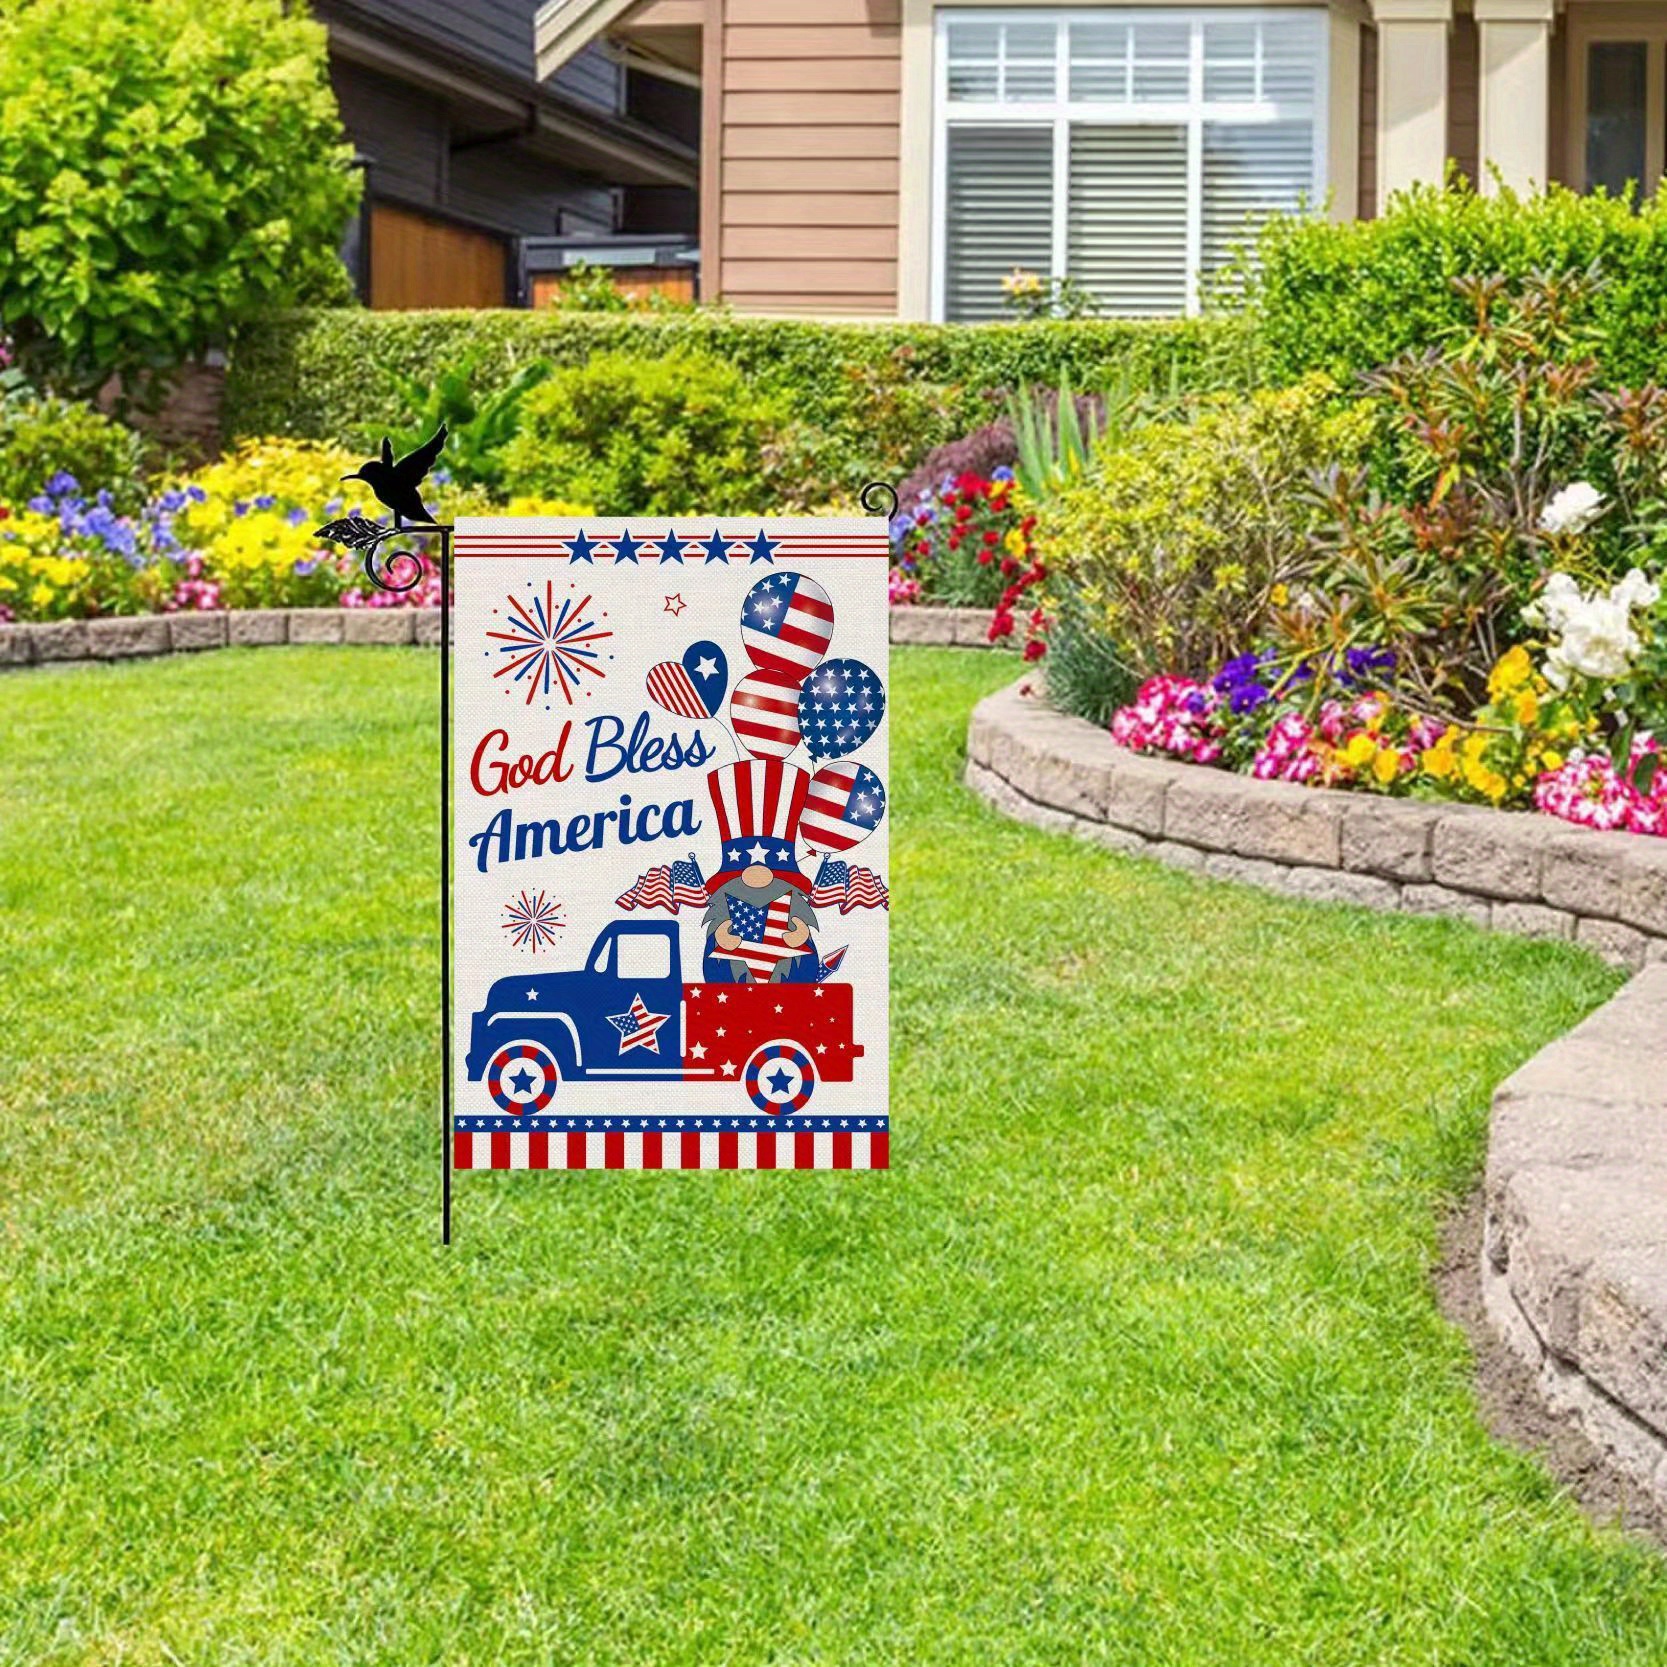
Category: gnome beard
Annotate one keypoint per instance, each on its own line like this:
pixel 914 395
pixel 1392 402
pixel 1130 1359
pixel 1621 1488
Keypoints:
pixel 759 893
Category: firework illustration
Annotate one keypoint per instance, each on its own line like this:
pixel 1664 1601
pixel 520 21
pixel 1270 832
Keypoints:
pixel 532 920
pixel 548 646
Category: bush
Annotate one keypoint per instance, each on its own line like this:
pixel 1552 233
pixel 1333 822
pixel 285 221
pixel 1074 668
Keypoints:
pixel 42 436
pixel 1181 537
pixel 164 175
pixel 304 374
pixel 646 436
pixel 1346 296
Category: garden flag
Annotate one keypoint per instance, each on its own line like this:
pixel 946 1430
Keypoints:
pixel 671 895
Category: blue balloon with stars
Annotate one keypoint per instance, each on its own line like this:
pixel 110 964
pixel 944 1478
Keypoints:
pixel 841 704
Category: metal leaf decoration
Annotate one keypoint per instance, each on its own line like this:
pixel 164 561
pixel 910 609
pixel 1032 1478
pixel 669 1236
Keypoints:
pixel 355 532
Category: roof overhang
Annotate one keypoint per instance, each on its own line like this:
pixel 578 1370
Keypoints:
pixel 661 37
pixel 614 149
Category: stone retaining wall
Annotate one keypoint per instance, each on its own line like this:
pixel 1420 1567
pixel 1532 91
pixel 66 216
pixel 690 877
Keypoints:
pixel 1574 1252
pixel 146 634
pixel 1574 1259
pixel 1507 870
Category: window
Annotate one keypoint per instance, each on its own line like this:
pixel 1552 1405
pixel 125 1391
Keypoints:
pixel 644 955
pixel 1129 150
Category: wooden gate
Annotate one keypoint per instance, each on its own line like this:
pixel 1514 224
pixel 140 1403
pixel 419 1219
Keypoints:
pixel 419 261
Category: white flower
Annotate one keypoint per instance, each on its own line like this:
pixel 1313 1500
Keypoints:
pixel 1594 636
pixel 1573 509
pixel 1636 591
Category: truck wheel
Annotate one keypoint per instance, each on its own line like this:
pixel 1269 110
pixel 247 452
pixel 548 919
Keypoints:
pixel 522 1078
pixel 779 1078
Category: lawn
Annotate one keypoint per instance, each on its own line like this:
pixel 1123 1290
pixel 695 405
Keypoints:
pixel 1131 1358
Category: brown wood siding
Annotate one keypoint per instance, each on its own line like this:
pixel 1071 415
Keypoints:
pixel 1367 197
pixel 417 261
pixel 675 282
pixel 1464 95
pixel 806 202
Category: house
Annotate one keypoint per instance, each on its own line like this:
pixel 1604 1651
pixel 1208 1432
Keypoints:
pixel 482 180
pixel 895 158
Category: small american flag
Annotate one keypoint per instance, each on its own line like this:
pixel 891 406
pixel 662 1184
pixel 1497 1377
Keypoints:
pixel 840 886
pixel 763 935
pixel 670 887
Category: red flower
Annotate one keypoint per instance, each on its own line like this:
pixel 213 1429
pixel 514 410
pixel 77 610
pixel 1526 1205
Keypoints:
pixel 1035 649
pixel 992 536
pixel 1001 626
pixel 984 558
pixel 1009 567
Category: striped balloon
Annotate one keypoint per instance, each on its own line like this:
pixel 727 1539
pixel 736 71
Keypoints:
pixel 843 807
pixel 765 713
pixel 787 623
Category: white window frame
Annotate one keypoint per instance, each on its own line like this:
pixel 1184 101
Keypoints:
pixel 1061 112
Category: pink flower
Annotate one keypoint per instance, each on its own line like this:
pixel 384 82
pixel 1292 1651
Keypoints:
pixel 1172 715
pixel 1288 752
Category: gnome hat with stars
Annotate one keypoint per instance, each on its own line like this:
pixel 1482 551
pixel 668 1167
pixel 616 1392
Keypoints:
pixel 758 803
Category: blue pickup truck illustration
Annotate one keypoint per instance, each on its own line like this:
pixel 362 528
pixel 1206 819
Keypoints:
pixel 628 1015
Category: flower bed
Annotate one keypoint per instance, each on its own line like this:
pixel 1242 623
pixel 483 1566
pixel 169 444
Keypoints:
pixel 237 534
pixel 1514 873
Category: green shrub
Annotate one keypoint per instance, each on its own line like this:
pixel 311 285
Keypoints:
pixel 479 426
pixel 1346 296
pixel 166 171
pixel 646 436
pixel 42 436
pixel 304 374
pixel 1169 553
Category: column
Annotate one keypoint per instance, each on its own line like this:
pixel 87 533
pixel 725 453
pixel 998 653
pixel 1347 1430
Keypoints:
pixel 1515 93
pixel 1412 93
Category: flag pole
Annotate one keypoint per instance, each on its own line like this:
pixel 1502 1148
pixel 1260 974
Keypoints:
pixel 445 887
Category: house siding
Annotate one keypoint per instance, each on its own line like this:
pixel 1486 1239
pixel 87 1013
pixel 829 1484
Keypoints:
pixel 806 210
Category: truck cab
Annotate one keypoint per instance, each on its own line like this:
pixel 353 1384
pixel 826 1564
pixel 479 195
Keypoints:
pixel 570 1012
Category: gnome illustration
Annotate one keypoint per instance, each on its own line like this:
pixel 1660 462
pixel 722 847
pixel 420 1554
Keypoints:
pixel 759 918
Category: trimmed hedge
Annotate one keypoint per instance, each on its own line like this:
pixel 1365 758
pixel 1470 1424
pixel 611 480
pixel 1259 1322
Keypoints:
pixel 322 375
pixel 1344 297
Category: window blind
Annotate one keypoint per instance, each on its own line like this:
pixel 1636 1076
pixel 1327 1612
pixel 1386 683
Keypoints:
pixel 999 186
pixel 1127 216
pixel 1251 169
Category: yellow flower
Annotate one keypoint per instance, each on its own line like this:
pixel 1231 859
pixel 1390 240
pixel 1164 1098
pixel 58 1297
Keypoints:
pixel 1438 761
pixel 1527 707
pixel 1386 766
pixel 1360 750
pixel 1513 669
pixel 1551 760
pixel 1280 595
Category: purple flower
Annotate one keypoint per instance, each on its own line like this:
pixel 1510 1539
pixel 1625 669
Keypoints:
pixel 265 501
pixel 1246 698
pixel 196 494
pixel 306 565
pixel 296 516
pixel 62 485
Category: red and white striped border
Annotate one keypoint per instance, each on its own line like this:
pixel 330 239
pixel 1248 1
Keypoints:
pixel 677 1149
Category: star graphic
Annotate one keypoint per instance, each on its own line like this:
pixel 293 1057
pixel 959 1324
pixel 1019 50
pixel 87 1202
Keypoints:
pixel 675 605
pixel 522 1080
pixel 758 853
pixel 638 1027
pixel 706 666
pixel 671 548
pixel 716 548
pixel 625 548
pixel 779 1081
pixel 728 1068
pixel 698 1051
pixel 532 995
pixel 579 548
pixel 763 549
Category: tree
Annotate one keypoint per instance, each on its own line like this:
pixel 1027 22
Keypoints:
pixel 167 169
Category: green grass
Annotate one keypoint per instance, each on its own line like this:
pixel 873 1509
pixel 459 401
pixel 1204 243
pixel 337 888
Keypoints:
pixel 1131 1358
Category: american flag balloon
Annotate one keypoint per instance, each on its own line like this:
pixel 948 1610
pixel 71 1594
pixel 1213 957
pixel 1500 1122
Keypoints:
pixel 843 807
pixel 764 711
pixel 840 705
pixel 692 687
pixel 787 623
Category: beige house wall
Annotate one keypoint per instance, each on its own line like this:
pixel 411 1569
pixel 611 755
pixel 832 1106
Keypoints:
pixel 801 214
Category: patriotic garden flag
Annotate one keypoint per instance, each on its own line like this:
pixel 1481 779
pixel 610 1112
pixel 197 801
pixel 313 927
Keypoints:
pixel 671 899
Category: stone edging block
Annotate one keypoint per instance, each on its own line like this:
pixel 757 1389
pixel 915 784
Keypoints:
pixel 127 636
pixel 1508 870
